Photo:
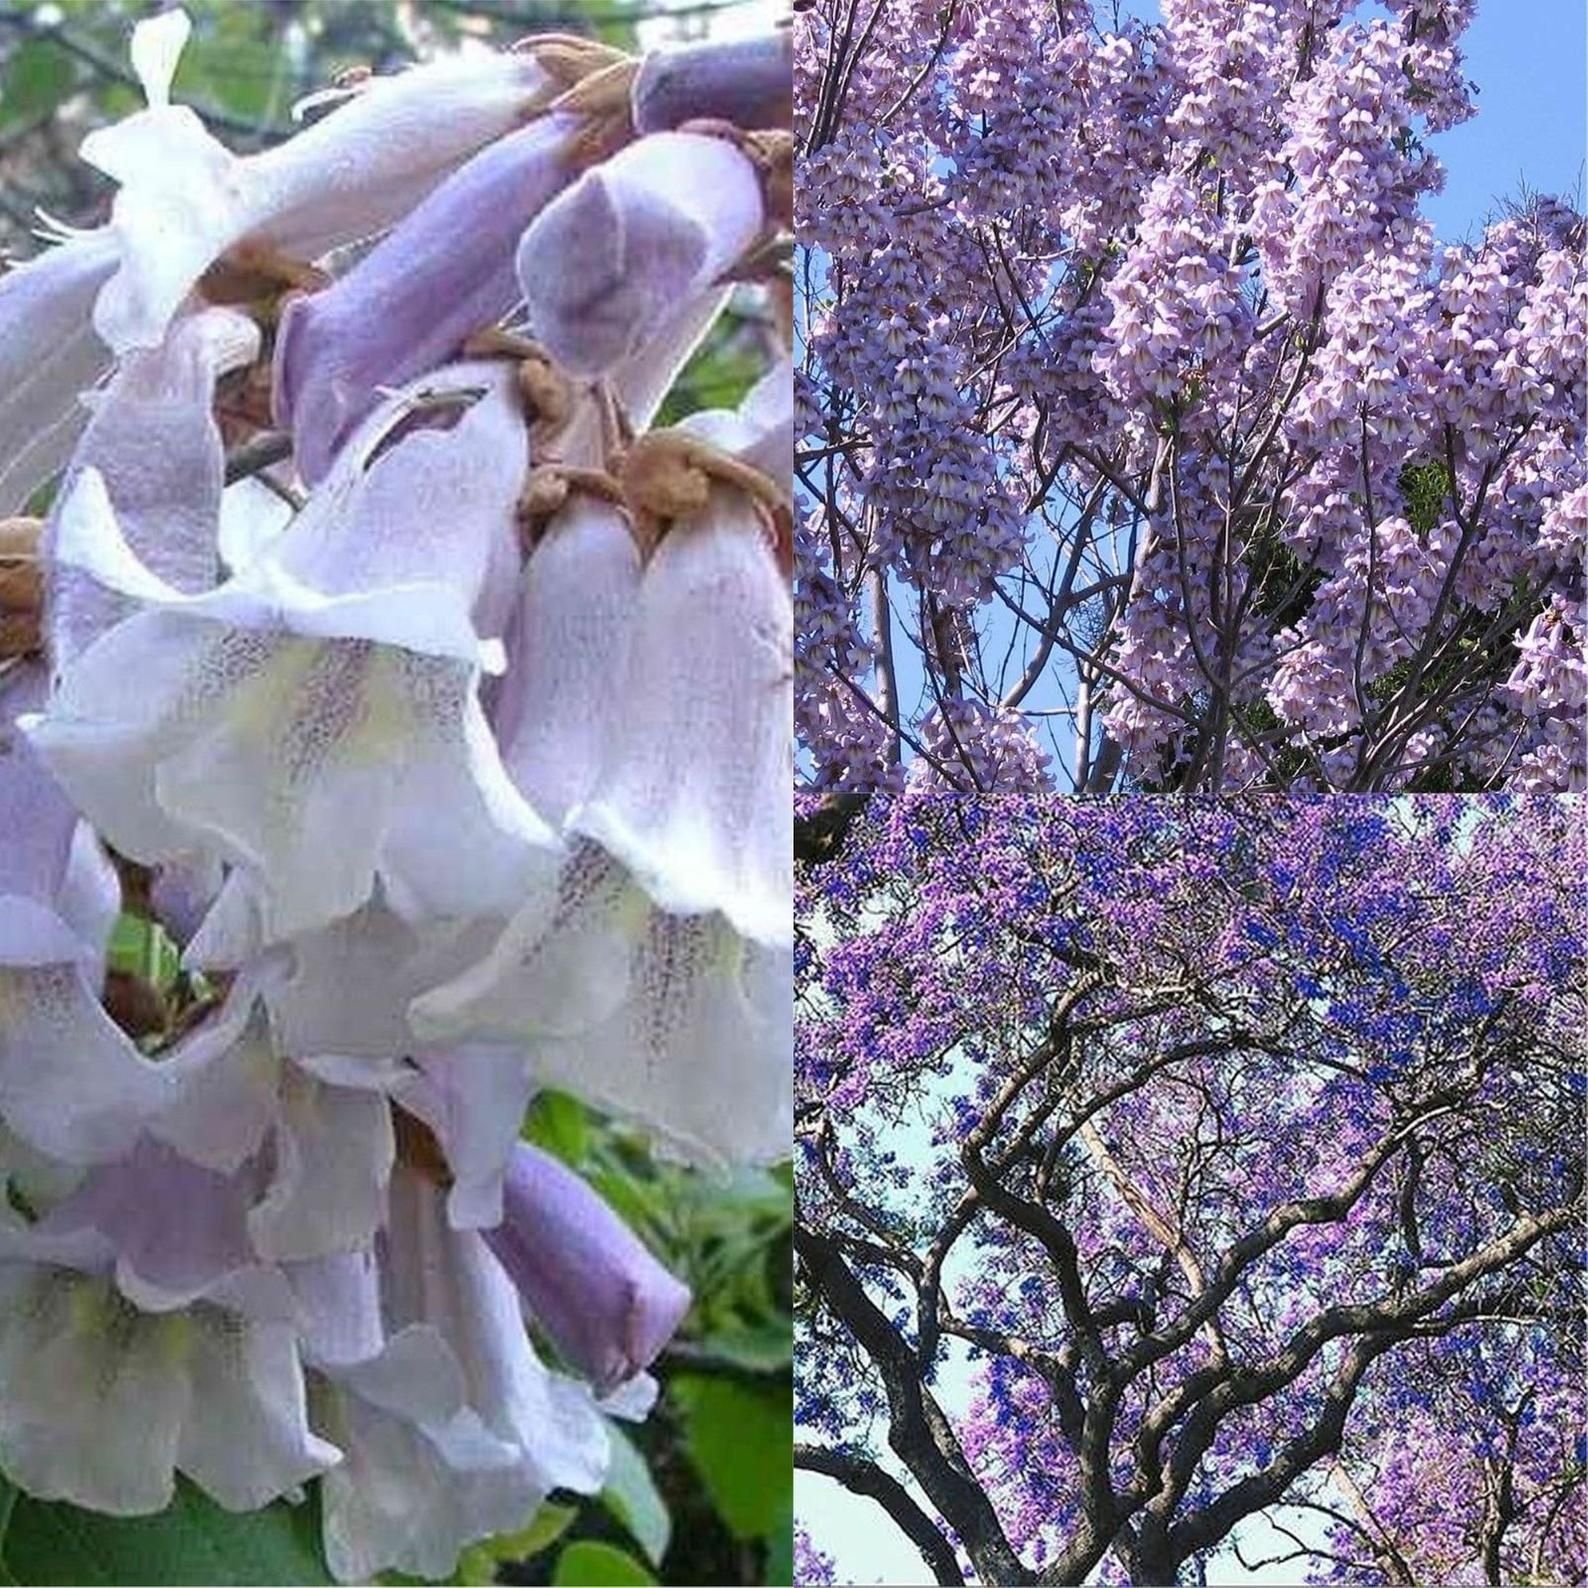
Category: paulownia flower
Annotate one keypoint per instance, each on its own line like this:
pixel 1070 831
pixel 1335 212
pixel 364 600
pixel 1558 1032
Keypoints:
pixel 568 647
pixel 101 1403
pixel 154 440
pixel 445 272
pixel 315 721
pixel 608 263
pixel 239 1162
pixel 185 200
pixel 675 1023
pixel 71 1084
pixel 608 1306
pixel 635 993
pixel 306 1144
pixel 692 796
pixel 746 81
pixel 455 1430
pixel 49 353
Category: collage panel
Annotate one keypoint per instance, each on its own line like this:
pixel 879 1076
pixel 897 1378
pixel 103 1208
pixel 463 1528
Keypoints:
pixel 1190 1191
pixel 1191 396
pixel 395 744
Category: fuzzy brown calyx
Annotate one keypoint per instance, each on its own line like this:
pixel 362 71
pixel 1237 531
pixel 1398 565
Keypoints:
pixel 257 274
pixel 590 80
pixel 21 586
pixel 547 390
pixel 547 489
pixel 667 476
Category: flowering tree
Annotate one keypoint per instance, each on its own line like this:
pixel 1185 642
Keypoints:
pixel 1150 439
pixel 1177 1179
pixel 357 797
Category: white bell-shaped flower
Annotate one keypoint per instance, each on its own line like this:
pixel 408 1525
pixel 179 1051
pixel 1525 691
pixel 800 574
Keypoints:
pixel 692 796
pixel 185 199
pixel 568 651
pixel 101 1404
pixel 456 1430
pixel 675 1023
pixel 71 1084
pixel 315 720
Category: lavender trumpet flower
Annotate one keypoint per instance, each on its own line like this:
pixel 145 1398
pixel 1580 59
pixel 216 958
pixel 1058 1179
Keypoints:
pixel 185 199
pixel 607 1304
pixel 445 272
pixel 314 720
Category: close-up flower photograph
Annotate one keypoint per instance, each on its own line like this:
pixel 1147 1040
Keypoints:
pixel 395 756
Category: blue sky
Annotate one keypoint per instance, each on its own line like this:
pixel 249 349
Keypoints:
pixel 1529 59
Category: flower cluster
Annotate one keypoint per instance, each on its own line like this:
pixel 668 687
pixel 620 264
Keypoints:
pixel 461 776
pixel 1184 1161
pixel 1129 347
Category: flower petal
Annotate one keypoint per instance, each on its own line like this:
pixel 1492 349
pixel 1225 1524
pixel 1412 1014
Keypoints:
pixel 49 354
pixel 93 1393
pixel 72 1084
pixel 157 451
pixel 651 228
pixel 334 1151
pixel 607 1304
pixel 693 793
pixel 443 273
pixel 185 200
pixel 473 1099
pixel 567 652
pixel 247 1441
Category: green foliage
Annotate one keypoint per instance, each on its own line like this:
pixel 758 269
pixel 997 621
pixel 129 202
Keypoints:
pixel 139 947
pixel 479 1564
pixel 1425 494
pixel 598 1566
pixel 726 366
pixel 236 63
pixel 560 1126
pixel 740 1439
pixel 192 1541
pixel 34 81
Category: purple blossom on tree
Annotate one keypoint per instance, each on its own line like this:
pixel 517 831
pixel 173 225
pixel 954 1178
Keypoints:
pixel 1187 1180
pixel 1150 438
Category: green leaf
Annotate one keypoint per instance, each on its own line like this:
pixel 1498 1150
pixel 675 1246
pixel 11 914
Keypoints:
pixel 559 1123
pixel 741 1441
pixel 192 1541
pixel 142 948
pixel 633 1498
pixel 586 1565
pixel 36 79
pixel 780 1552
pixel 8 1501
pixel 762 1348
pixel 478 1564
pixel 747 1194
pixel 233 62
